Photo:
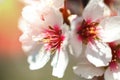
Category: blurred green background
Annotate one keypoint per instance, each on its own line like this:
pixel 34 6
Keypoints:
pixel 17 69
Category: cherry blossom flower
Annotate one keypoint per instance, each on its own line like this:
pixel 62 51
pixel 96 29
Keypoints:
pixel 94 30
pixel 44 36
pixel 113 70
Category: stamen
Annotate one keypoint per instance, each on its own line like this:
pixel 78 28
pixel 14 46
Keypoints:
pixel 87 31
pixel 115 58
pixel 53 38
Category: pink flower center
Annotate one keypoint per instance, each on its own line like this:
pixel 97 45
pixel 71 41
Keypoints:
pixel 87 31
pixel 53 38
pixel 115 56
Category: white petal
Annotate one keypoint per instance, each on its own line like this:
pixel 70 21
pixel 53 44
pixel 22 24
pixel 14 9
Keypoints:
pixel 38 60
pixel 53 3
pixel 65 29
pixel 23 26
pixel 41 16
pixel 59 63
pixel 111 75
pixel 111 28
pixel 52 16
pixel 75 43
pixel 25 38
pixel 71 18
pixel 55 59
pixel 98 53
pixel 30 14
pixel 75 22
pixel 94 10
pixel 27 43
pixel 88 71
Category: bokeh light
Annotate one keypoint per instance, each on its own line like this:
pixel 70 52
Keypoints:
pixel 10 11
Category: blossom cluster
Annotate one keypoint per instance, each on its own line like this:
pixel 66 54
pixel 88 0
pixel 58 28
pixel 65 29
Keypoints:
pixel 50 30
